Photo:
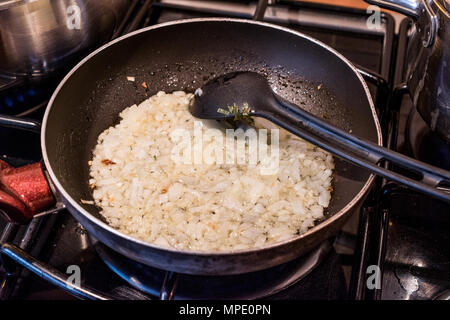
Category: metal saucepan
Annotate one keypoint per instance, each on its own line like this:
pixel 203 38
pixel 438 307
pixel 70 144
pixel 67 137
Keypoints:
pixel 39 37
pixel 428 59
pixel 183 55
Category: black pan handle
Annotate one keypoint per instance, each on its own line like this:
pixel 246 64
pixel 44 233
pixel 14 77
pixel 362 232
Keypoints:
pixel 431 180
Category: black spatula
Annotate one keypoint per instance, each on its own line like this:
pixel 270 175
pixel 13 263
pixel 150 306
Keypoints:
pixel 249 94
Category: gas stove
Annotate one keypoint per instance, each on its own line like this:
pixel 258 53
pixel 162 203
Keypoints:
pixel 400 232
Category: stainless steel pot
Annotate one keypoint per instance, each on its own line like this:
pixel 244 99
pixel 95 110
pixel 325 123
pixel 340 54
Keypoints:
pixel 37 37
pixel 428 69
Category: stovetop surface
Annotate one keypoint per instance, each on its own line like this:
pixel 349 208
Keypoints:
pixel 69 244
pixel 416 247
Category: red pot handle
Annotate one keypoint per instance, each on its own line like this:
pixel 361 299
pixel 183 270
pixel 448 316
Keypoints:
pixel 24 192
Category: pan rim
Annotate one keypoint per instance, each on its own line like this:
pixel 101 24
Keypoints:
pixel 94 220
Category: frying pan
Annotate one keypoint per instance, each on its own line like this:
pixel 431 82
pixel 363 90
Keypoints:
pixel 183 55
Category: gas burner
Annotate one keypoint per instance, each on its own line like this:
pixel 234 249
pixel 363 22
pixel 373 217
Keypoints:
pixel 424 144
pixel 21 97
pixel 255 285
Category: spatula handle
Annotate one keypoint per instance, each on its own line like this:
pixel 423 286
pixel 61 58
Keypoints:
pixel 431 180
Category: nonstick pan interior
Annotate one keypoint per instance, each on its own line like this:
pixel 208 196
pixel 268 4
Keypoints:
pixel 183 57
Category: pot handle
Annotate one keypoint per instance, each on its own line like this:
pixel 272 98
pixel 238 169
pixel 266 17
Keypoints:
pixel 409 8
pixel 24 191
pixel 420 11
